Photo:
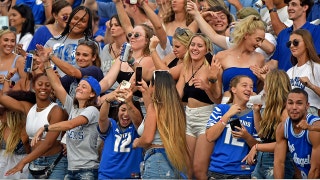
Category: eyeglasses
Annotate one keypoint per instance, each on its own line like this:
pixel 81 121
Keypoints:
pixel 295 43
pixel 135 35
pixel 65 17
pixel 180 31
pixel 11 28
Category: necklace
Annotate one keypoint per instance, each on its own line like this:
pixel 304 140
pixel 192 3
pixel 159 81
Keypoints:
pixel 112 50
pixel 43 107
pixel 194 73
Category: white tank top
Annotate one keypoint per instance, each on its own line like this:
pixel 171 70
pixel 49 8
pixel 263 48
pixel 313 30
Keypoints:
pixel 36 120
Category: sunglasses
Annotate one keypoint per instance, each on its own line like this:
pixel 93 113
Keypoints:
pixel 295 43
pixel 135 35
pixel 181 31
pixel 11 28
pixel 87 42
pixel 65 17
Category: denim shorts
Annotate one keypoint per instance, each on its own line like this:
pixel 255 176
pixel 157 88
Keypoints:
pixel 59 171
pixel 264 166
pixel 197 119
pixel 157 165
pixel 87 174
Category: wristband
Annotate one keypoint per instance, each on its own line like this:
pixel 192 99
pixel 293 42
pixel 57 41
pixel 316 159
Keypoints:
pixel 6 79
pixel 152 50
pixel 272 10
pixel 46 127
pixel 51 55
pixel 223 123
pixel 257 147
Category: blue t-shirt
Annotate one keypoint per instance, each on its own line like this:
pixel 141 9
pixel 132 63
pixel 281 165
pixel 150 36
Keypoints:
pixel 228 151
pixel 315 11
pixel 299 145
pixel 119 160
pixel 283 54
pixel 37 10
pixel 41 36
pixel 71 83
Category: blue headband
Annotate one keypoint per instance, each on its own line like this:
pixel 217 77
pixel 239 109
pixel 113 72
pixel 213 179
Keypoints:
pixel 94 84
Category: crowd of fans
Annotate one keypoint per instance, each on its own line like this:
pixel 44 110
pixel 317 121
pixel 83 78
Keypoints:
pixel 229 89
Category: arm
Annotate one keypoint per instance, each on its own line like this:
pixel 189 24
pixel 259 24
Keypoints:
pixel 267 46
pixel 280 152
pixel 276 23
pixel 124 18
pixel 205 27
pixel 215 79
pixel 150 128
pixel 133 112
pixel 56 114
pixel 236 3
pixel 91 4
pixel 315 154
pixel 111 76
pixel 20 67
pixel 306 81
pixel 13 104
pixel 157 26
pixel 257 116
pixel 66 67
pixel 47 4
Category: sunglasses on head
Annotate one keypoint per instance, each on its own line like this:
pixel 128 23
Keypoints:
pixel 295 43
pixel 180 31
pixel 87 42
pixel 135 35
pixel 11 28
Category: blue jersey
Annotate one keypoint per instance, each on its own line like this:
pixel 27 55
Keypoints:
pixel 119 160
pixel 228 151
pixel 299 145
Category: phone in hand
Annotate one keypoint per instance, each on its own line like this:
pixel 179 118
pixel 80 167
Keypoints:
pixel 138 75
pixel 235 122
pixel 124 85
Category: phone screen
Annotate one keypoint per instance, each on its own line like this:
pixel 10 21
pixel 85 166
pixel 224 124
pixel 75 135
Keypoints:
pixel 234 123
pixel 138 75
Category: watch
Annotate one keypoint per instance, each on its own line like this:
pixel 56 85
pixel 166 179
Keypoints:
pixel 50 56
pixel 46 127
pixel 272 10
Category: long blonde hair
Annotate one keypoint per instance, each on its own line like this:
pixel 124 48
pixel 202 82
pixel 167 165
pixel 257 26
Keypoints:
pixel 171 119
pixel 278 84
pixel 16 123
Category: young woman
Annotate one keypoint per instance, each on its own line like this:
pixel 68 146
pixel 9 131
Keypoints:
pixel 276 88
pixel 306 67
pixel 79 26
pixel 172 61
pixel 21 17
pixel 165 157
pixel 9 60
pixel 88 61
pixel 223 164
pixel 60 13
pixel 14 141
pixel 199 95
pixel 119 160
pixel 81 135
pixel 48 148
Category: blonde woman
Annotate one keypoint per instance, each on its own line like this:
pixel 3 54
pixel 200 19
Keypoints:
pixel 199 95
pixel 163 130
pixel 276 88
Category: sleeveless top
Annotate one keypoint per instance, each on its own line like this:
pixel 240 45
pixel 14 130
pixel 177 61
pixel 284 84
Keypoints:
pixel 36 120
pixel 19 150
pixel 173 63
pixel 156 139
pixel 232 72
pixel 16 76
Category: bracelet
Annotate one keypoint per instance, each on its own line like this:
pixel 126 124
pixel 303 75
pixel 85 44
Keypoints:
pixel 223 123
pixel 50 56
pixel 257 147
pixel 46 4
pixel 48 67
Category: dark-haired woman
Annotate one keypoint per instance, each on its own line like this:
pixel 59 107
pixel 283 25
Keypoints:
pixel 21 17
pixel 119 160
pixel 48 148
pixel 60 13
pixel 79 26
pixel 81 126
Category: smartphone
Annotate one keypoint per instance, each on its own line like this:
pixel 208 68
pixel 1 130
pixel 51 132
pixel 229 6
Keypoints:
pixel 235 122
pixel 124 85
pixel 28 64
pixel 138 75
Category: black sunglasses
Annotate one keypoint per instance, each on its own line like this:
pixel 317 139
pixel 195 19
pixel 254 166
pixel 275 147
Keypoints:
pixel 295 43
pixel 135 35
pixel 11 28
pixel 181 31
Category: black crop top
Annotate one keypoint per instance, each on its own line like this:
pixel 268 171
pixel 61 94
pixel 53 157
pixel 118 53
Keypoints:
pixel 196 93
pixel 173 63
